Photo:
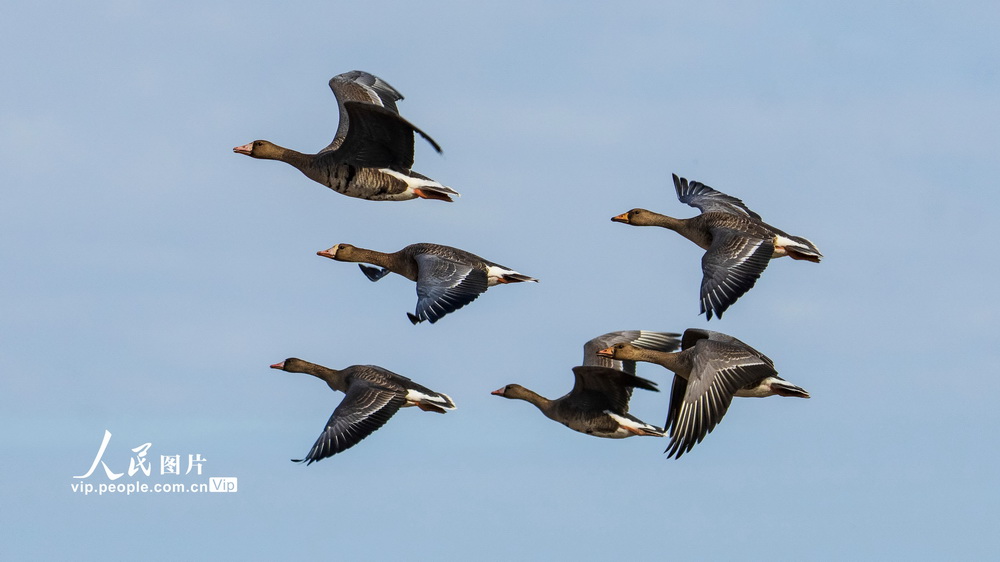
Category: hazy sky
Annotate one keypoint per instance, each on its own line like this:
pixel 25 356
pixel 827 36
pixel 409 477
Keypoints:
pixel 151 276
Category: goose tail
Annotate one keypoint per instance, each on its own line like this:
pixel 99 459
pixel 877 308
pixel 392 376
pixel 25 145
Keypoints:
pixel 500 274
pixel 430 401
pixel 782 387
pixel 516 278
pixel 798 248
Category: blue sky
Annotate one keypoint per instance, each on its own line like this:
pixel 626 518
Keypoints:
pixel 151 276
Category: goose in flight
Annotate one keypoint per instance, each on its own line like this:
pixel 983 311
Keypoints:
pixel 372 152
pixel 738 244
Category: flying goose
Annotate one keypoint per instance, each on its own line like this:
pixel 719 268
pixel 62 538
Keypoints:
pixel 709 370
pixel 598 403
pixel 372 396
pixel 371 154
pixel 738 244
pixel 447 278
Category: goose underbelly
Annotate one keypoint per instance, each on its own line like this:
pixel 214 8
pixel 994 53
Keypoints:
pixel 605 427
pixel 614 426
pixel 373 184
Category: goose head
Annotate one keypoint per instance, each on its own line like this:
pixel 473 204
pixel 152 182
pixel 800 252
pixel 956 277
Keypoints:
pixel 620 351
pixel 292 365
pixel 338 252
pixel 260 149
pixel 638 217
pixel 512 391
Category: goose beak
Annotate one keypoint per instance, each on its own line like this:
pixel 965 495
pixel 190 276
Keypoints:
pixel 498 392
pixel 328 253
pixel 278 365
pixel 620 218
pixel 606 352
pixel 245 149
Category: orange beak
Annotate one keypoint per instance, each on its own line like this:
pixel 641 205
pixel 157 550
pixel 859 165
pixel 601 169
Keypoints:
pixel 620 218
pixel 606 352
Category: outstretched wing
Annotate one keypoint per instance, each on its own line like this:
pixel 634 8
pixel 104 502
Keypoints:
pixel 600 388
pixel 719 370
pixel 730 267
pixel 373 273
pixel 365 408
pixel 376 138
pixel 361 86
pixel 709 200
pixel 444 286
pixel 358 85
pixel 692 335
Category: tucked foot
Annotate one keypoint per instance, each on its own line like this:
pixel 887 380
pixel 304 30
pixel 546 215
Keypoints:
pixel 432 193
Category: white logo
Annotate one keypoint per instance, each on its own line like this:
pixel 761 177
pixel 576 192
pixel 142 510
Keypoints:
pixel 172 466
